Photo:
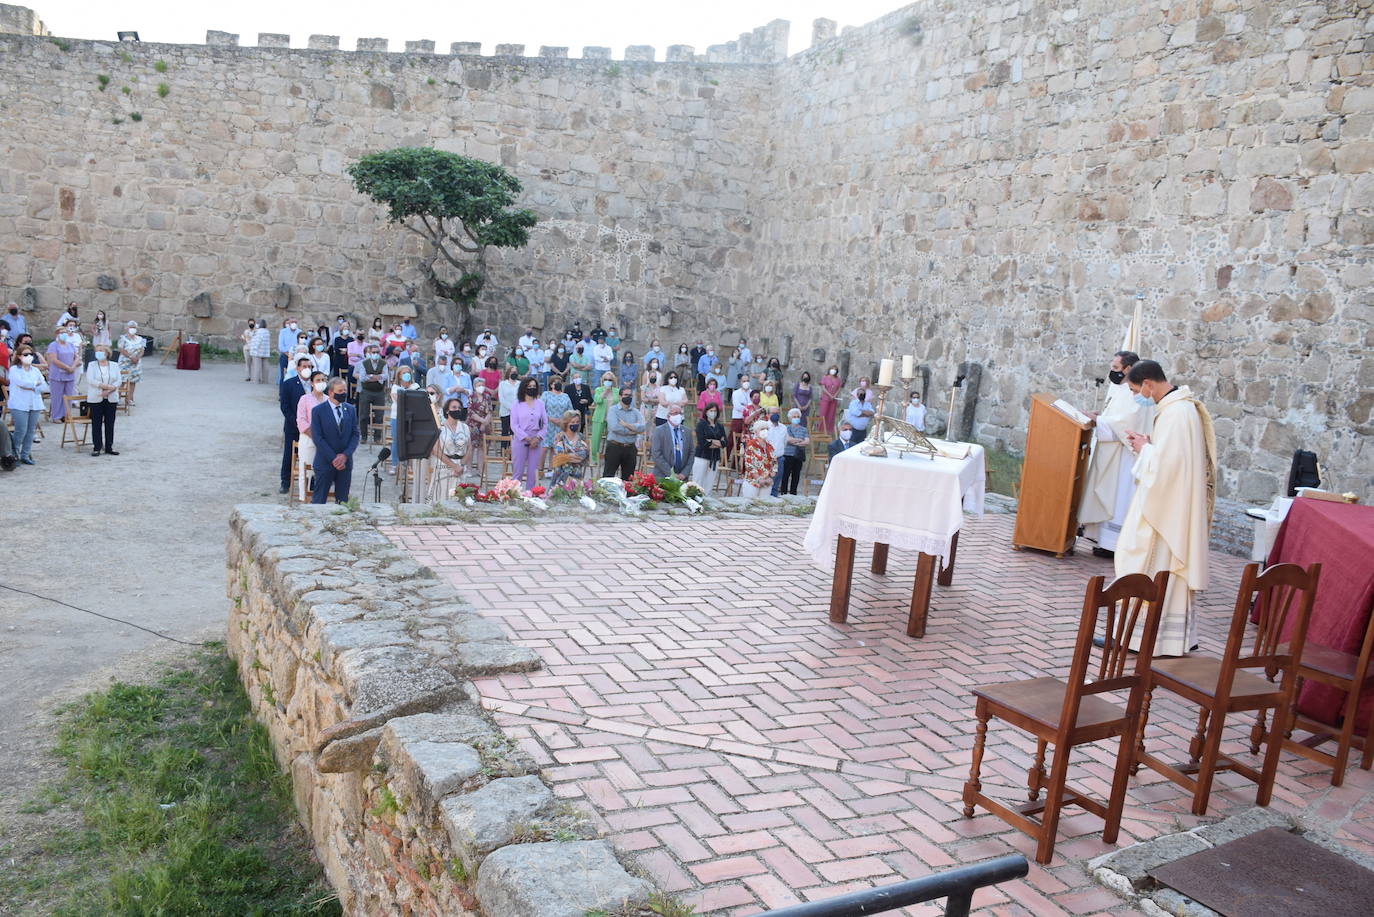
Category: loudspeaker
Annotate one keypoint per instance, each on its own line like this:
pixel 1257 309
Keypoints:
pixel 416 431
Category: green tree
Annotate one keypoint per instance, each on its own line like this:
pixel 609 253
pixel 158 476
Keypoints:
pixel 459 205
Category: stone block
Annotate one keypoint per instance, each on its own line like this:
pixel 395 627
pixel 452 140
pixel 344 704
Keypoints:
pixel 465 47
pixel 376 677
pixel 1241 824
pixel 639 53
pixel 553 52
pixel 557 880
pixel 106 283
pixel 424 46
pixel 510 51
pixel 822 30
pixel 495 658
pixel 428 770
pixel 1134 863
pixel 273 40
pixel 1270 194
pixel 230 39
pixel 323 43
pixel 596 52
pixel 489 818
pixel 1354 156
pixel 680 54
pixel 200 305
pixel 372 44
pixel 349 755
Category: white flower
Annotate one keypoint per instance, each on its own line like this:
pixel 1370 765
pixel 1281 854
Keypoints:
pixel 468 501
pixel 587 502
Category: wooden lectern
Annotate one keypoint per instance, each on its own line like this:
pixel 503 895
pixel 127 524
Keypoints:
pixel 1052 475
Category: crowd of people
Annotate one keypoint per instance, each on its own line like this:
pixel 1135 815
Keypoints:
pixel 80 369
pixel 577 405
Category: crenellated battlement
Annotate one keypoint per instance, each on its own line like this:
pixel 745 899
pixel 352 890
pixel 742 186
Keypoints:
pixel 765 45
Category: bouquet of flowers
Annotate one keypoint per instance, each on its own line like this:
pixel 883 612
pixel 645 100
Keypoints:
pixel 506 490
pixel 642 483
pixel 571 490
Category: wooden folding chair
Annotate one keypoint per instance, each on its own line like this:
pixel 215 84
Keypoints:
pixel 1283 594
pixel 378 420
pixel 498 455
pixel 1070 713
pixel 74 426
pixel 1345 672
pixel 125 406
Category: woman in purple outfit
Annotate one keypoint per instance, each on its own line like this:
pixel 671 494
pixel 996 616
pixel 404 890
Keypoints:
pixel 528 421
pixel 64 363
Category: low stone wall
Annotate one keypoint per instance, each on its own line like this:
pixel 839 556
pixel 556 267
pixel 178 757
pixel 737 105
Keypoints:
pixel 356 659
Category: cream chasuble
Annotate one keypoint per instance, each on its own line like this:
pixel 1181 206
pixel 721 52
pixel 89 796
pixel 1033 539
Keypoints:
pixel 1169 522
pixel 1111 481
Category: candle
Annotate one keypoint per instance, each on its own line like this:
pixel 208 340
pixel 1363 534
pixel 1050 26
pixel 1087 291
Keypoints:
pixel 908 367
pixel 885 372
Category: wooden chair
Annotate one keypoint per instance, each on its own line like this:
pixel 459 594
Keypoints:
pixel 498 458
pixel 124 404
pixel 1070 713
pixel 74 425
pixel 1283 594
pixel 379 420
pixel 1344 672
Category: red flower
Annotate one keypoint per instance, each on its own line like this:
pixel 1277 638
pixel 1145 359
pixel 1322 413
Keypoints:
pixel 537 491
pixel 656 494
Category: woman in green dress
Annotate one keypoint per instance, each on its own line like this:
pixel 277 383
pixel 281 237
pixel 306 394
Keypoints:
pixel 605 395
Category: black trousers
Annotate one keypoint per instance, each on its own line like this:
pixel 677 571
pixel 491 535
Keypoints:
pixel 505 425
pixel 326 475
pixel 289 434
pixel 621 459
pixel 102 424
pixel 791 472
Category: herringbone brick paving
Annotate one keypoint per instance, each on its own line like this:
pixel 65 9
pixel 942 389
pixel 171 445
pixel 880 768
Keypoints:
pixel 751 754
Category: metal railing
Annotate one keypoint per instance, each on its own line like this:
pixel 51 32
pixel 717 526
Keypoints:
pixel 956 885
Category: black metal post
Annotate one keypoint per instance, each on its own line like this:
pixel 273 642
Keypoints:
pixel 958 885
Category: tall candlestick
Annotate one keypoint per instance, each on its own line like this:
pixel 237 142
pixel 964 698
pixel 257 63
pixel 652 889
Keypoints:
pixel 885 372
pixel 908 367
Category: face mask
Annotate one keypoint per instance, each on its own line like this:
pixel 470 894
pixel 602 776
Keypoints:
pixel 319 386
pixel 768 388
pixel 579 350
pixel 773 417
pixel 101 356
pixel 574 427
pixel 915 400
pixel 319 348
pixel 443 337
pixel 1143 401
pixel 373 355
pixel 405 377
pixel 834 372
pixel 63 338
pixel 1117 376
pixel 845 434
pixel 672 380
pixel 711 416
pixel 304 374
pixel 675 419
pixel 340 397
pixel 26 359
pixel 625 400
pixel 292 326
pixel 744 385
pixel 606 383
pixel 358 336
pixel 711 351
pixel 455 414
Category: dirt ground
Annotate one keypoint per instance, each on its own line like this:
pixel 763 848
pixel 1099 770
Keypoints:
pixel 139 536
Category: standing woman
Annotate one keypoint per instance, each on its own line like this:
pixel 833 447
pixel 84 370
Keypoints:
pixel 710 442
pixel 604 396
pixel 648 393
pixel 102 398
pixel 736 368
pixel 100 331
pixel 443 346
pixel 450 456
pixel 773 374
pixel 319 355
pixel 760 464
pixel 375 332
pixel 27 386
pixel 479 424
pixel 247 338
pixel 831 383
pixel 709 395
pixel 559 361
pixel 670 394
pixel 305 446
pixel 507 394
pixel 261 349
pixel 682 363
pixel 528 421
pixel 801 396
pixel 628 370
pixel 489 374
pixel 556 405
pixel 64 358
pixel 131 347
pixel 405 382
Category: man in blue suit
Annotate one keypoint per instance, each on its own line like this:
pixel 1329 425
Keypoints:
pixel 290 391
pixel 334 425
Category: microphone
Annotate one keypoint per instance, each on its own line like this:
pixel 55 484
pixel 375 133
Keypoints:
pixel 381 457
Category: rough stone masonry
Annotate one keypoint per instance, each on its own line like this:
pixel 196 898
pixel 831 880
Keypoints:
pixel 992 183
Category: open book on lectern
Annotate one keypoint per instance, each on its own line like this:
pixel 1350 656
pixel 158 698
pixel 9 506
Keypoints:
pixel 1072 411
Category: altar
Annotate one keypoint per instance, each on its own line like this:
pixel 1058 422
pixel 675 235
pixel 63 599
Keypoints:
pixel 911 502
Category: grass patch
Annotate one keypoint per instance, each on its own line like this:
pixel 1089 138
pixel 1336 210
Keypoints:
pixel 179 808
pixel 1004 472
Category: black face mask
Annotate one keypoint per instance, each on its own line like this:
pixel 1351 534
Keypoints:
pixel 625 400
pixel 1117 376
pixel 456 415
pixel 340 397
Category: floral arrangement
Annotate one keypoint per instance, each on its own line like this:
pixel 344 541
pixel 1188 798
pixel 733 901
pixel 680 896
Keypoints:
pixel 571 490
pixel 642 483
pixel 506 490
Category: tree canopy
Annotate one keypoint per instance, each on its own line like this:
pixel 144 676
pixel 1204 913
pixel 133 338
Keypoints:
pixel 459 204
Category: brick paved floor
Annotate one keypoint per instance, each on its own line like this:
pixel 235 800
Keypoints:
pixel 752 754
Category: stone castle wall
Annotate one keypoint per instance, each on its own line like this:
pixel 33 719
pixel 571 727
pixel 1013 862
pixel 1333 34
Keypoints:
pixel 992 185
pixel 996 183
pixel 230 182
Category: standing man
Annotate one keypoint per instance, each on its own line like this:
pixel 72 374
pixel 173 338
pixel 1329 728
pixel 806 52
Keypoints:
pixel 526 340
pixel 860 413
pixel 745 354
pixel 703 365
pixel 354 352
pixel 407 331
pixel 624 423
pixel 1169 521
pixel 286 343
pixel 654 352
pixel 334 426
pixel 17 324
pixel 670 446
pixel 739 403
pixel 486 339
pixel 1111 470
pixel 373 376
pixel 290 391
pixel 613 340
pixel 603 355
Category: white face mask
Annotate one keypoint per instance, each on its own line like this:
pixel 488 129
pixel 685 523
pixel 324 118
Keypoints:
pixel 26 359
pixel 675 419
pixel 304 374
pixel 834 372
pixel 443 337
pixel 101 356
pixel 768 388
pixel 606 384
pixel 845 434
pixel 319 386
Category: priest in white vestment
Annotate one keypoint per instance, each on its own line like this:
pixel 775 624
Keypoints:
pixel 1169 523
pixel 1111 470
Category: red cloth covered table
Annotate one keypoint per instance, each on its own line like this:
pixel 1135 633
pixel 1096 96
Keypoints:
pixel 188 357
pixel 1340 537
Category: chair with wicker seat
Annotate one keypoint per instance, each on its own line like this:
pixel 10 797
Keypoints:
pixel 1069 713
pixel 1236 683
